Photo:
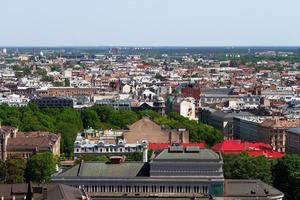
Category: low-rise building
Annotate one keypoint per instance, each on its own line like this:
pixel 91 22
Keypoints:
pixel 25 144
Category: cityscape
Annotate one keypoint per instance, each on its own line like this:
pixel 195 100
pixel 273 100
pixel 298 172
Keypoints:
pixel 137 115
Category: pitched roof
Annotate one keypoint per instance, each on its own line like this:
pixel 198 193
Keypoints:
pixel 101 169
pixel 250 188
pixel 253 149
pixel 31 141
pixel 147 129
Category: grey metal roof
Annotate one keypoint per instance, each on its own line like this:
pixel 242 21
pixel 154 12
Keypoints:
pixel 99 169
pixel 294 130
pixel 231 115
pixel 249 188
pixel 218 91
pixel 203 154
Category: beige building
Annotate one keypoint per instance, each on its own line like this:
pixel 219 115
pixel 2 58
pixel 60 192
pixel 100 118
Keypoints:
pixel 146 129
pixel 274 132
pixel 26 144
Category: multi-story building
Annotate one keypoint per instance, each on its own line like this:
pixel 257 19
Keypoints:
pixel 273 132
pixel 247 128
pixel 68 91
pixel 293 140
pixel 52 102
pixel 117 104
pixel 220 119
pixel 269 130
pixel 185 107
pixel 26 144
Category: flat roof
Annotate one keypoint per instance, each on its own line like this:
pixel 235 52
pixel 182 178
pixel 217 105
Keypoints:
pixel 181 154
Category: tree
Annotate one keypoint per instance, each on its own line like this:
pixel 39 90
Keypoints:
pixel 2 171
pixel 67 82
pixel 286 174
pixel 40 167
pixel 15 169
pixel 242 166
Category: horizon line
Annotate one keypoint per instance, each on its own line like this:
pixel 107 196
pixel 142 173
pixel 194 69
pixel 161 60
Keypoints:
pixel 150 46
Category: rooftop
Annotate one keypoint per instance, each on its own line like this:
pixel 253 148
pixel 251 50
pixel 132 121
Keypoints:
pixel 101 169
pixel 179 153
pixel 294 130
pixel 250 188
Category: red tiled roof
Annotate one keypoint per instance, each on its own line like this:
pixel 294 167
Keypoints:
pixel 253 149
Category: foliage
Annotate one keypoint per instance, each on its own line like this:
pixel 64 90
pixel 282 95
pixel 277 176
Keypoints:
pixel 106 117
pixel 92 158
pixel 67 82
pixel 58 84
pixel 55 69
pixel 243 166
pixel 40 167
pixel 286 174
pixel 2 171
pixel 137 156
pixel 66 121
pixel 14 169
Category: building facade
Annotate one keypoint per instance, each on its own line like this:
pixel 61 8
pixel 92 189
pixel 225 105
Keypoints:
pixel 293 141
pixel 175 173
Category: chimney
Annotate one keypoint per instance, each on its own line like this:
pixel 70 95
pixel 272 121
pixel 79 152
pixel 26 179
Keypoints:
pixel 145 150
pixel 145 154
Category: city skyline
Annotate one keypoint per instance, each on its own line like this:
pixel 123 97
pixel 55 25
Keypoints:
pixel 150 23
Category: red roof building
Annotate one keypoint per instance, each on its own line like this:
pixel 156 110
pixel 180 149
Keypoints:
pixel 253 149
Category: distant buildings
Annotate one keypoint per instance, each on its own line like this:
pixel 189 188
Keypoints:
pixel 220 119
pixel 52 102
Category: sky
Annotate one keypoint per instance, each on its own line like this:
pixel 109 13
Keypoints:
pixel 149 23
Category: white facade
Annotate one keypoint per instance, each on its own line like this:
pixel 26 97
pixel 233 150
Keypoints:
pixel 187 109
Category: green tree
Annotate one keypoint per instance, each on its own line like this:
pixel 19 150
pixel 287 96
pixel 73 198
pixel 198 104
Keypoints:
pixel 242 166
pixel 67 82
pixel 15 169
pixel 40 167
pixel 286 174
pixel 58 84
pixel 2 171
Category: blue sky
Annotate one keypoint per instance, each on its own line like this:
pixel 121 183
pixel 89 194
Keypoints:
pixel 149 22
